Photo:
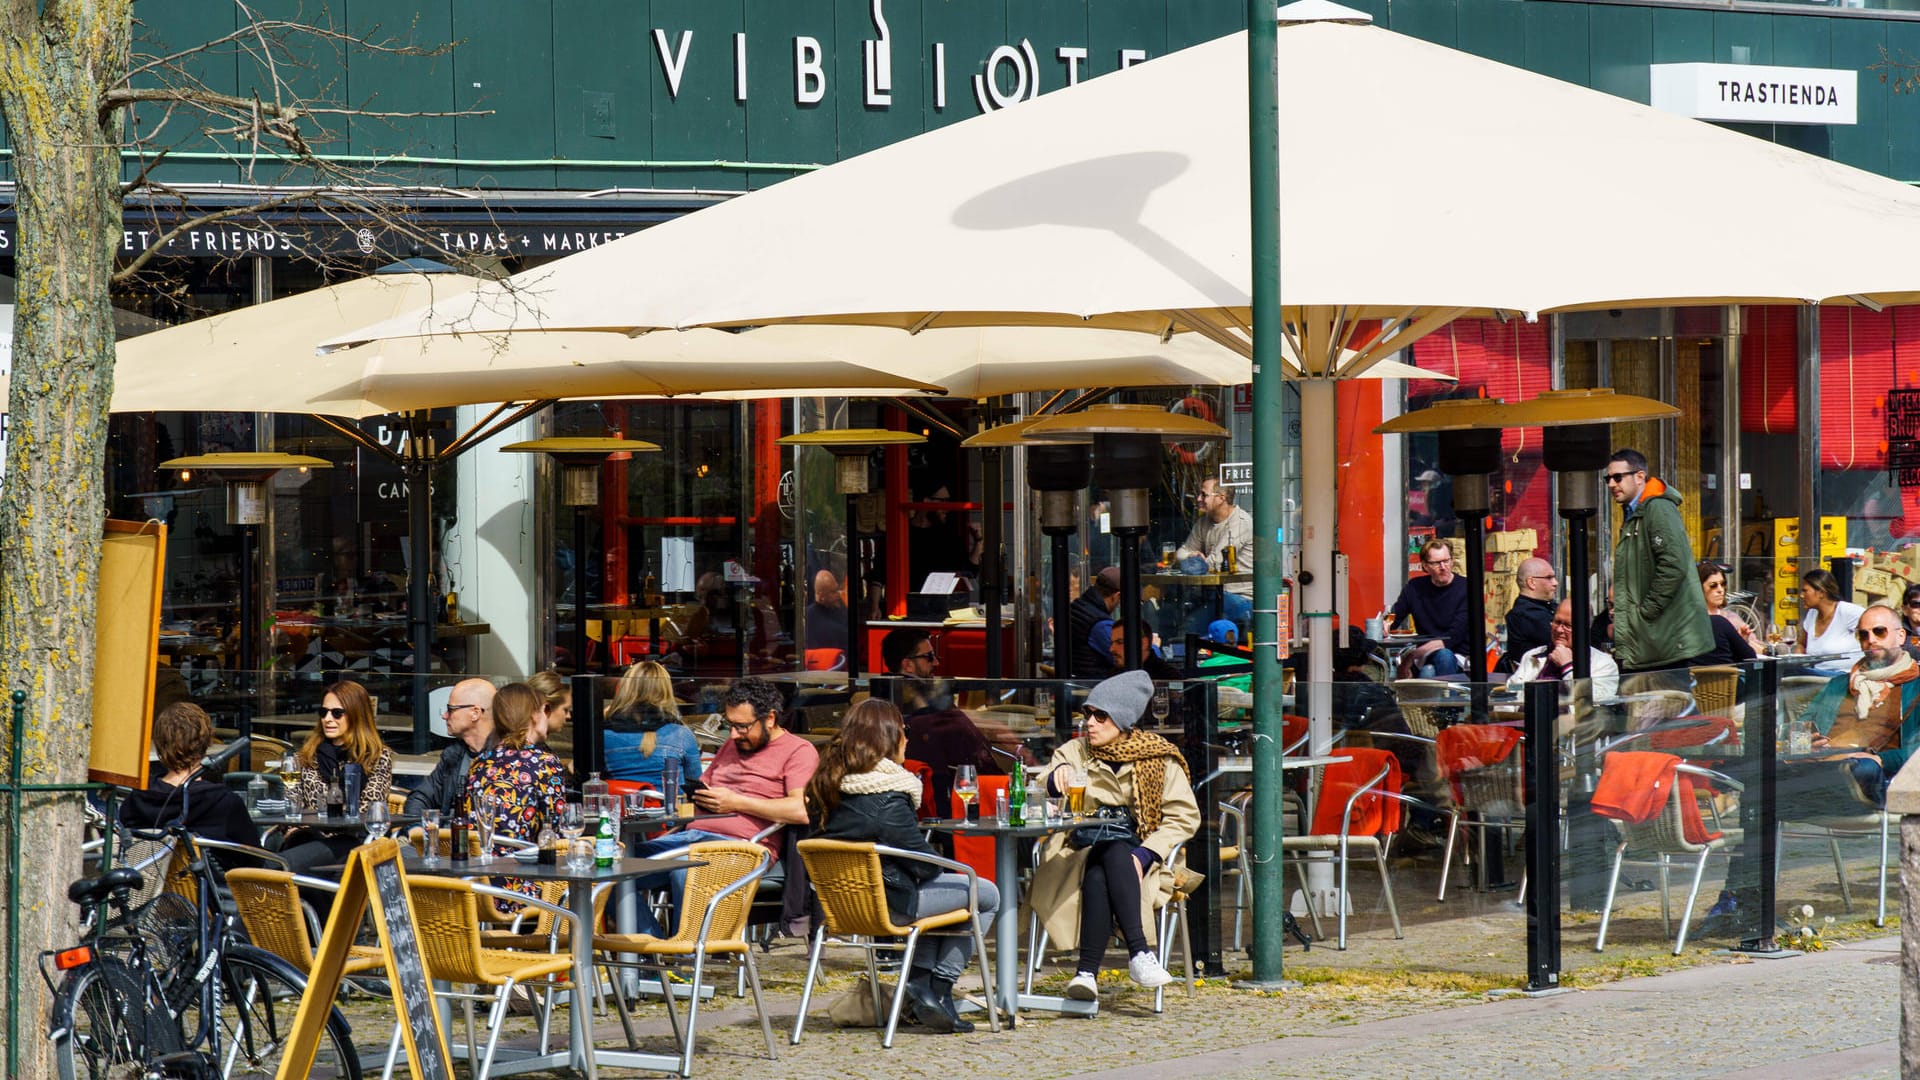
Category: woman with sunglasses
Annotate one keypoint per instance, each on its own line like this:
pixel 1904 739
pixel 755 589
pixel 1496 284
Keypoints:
pixel 1910 613
pixel 343 733
pixel 1732 638
pixel 1081 892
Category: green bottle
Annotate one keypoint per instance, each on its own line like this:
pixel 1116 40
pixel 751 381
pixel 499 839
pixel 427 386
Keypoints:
pixel 1017 796
pixel 607 840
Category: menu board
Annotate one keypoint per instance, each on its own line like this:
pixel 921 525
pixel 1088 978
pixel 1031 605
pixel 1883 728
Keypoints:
pixel 373 874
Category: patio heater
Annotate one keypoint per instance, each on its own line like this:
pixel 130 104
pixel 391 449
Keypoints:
pixel 1127 463
pixel 1059 471
pixel 851 448
pixel 245 475
pixel 580 458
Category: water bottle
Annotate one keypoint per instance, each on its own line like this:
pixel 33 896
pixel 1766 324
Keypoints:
pixel 351 779
pixel 670 784
pixel 256 791
pixel 593 792
pixel 606 842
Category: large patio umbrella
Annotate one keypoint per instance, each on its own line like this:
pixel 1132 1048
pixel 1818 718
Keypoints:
pixel 1120 204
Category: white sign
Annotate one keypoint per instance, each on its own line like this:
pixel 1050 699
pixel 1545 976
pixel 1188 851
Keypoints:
pixel 676 564
pixel 1754 93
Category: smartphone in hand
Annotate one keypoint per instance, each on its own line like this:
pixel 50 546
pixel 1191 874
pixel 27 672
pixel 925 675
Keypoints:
pixel 692 787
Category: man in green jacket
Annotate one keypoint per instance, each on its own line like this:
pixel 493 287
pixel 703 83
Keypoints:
pixel 1659 613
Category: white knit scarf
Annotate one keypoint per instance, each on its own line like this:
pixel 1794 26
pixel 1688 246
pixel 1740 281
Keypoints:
pixel 886 776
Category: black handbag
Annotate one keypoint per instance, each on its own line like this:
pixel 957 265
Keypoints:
pixel 1109 823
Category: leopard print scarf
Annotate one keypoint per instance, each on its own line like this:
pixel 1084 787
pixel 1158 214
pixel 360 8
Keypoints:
pixel 1149 754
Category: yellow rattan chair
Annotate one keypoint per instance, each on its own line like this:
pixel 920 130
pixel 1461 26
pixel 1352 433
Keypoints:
pixel 713 922
pixel 270 909
pixel 846 877
pixel 446 912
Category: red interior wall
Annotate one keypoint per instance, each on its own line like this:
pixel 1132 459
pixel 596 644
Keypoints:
pixel 1363 498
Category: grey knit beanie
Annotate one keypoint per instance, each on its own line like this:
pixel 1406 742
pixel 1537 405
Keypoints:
pixel 1124 697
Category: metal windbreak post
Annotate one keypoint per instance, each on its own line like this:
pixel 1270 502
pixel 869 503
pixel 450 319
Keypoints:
pixel 1543 837
pixel 1759 810
pixel 16 746
pixel 587 724
pixel 1199 706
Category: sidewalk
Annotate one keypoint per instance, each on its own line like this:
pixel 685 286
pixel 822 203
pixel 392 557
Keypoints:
pixel 1828 1015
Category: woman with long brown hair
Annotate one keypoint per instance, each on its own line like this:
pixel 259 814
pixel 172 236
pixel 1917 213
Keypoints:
pixel 343 733
pixel 521 782
pixel 861 792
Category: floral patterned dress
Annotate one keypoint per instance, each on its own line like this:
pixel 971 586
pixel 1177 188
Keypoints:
pixel 529 785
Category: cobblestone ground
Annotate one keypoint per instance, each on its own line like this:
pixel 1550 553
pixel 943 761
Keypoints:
pixel 1428 1005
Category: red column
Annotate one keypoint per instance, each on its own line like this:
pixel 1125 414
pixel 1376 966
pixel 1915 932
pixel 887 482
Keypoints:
pixel 614 486
pixel 1363 498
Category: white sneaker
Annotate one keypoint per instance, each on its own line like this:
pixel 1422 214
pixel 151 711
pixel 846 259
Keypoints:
pixel 1083 988
pixel 1145 969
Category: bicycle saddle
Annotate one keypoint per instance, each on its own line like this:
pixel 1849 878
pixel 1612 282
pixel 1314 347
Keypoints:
pixel 92 890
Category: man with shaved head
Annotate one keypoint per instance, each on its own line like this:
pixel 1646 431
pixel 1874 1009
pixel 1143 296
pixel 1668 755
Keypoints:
pixel 469 716
pixel 1528 621
pixel 827 615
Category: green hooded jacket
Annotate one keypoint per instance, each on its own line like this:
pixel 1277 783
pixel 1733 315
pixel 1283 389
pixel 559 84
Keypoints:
pixel 1659 612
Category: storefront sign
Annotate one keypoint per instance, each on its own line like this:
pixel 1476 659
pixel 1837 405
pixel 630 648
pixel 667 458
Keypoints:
pixel 1903 437
pixel 1753 93
pixel 1236 474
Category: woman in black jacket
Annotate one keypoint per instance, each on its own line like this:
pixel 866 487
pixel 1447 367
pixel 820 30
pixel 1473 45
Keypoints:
pixel 203 805
pixel 860 792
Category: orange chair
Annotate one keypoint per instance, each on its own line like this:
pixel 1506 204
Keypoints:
pixel 826 659
pixel 977 851
pixel 925 772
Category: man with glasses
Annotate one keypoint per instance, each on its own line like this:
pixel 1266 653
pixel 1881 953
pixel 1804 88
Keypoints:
pixel 1659 612
pixel 1529 619
pixel 1221 525
pixel 938 734
pixel 1438 604
pixel 758 778
pixel 1860 717
pixel 469 717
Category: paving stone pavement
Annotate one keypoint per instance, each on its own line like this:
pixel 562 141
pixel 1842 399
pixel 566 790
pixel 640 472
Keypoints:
pixel 1831 1014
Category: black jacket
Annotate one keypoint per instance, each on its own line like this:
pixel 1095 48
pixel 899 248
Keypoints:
pixel 1082 616
pixel 886 818
pixel 445 784
pixel 213 810
pixel 1529 626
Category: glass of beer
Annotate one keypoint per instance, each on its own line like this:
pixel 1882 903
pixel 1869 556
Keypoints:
pixel 1077 791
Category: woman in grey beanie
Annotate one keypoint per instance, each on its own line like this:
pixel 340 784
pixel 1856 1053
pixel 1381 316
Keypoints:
pixel 1081 893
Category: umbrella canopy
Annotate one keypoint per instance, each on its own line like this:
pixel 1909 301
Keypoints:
pixel 1118 203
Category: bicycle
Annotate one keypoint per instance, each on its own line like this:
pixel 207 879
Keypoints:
pixel 211 1007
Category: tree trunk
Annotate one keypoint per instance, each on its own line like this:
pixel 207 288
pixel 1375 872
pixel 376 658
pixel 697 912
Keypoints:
pixel 56 57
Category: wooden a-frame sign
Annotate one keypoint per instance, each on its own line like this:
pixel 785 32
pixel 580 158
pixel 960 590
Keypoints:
pixel 373 874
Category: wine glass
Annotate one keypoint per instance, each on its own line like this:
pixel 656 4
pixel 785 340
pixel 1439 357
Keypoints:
pixel 375 818
pixel 289 781
pixel 1162 705
pixel 572 823
pixel 430 836
pixel 966 784
pixel 484 823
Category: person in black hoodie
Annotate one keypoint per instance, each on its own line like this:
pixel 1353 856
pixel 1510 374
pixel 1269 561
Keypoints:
pixel 181 734
pixel 1092 609
pixel 861 793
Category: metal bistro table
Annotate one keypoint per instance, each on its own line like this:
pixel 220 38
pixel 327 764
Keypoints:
pixel 1006 926
pixel 322 823
pixel 1216 581
pixel 582 1055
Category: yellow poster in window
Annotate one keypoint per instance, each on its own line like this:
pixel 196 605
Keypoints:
pixel 1786 561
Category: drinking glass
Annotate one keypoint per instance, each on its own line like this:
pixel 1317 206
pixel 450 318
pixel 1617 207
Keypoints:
pixel 484 824
pixel 430 836
pixel 966 784
pixel 1790 636
pixel 375 818
pixel 572 823
pixel 289 777
pixel 1166 556
pixel 1162 705
pixel 1002 812
pixel 1077 791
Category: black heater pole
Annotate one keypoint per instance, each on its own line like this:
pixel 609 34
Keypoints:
pixel 249 627
pixel 1577 454
pixel 1062 598
pixel 418 467
pixel 992 569
pixel 580 548
pixel 1130 591
pixel 1060 472
pixel 856 596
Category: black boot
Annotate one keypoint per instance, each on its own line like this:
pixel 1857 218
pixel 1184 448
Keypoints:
pixel 924 1006
pixel 943 992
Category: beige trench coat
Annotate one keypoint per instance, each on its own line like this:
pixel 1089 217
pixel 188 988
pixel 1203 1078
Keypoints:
pixel 1055 892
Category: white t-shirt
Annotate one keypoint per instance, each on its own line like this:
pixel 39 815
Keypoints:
pixel 1839 640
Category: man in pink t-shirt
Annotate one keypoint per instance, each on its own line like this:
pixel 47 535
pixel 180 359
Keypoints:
pixel 759 778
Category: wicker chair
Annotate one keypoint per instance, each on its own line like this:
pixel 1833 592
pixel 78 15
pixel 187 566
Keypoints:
pixel 1660 838
pixel 846 878
pixel 276 920
pixel 1427 705
pixel 1496 795
pixel 446 912
pixel 721 891
pixel 1853 816
pixel 1796 693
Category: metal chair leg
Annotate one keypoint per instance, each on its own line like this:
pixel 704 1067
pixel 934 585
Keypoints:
pixel 987 986
pixel 494 1017
pixel 899 989
pixel 1386 890
pixel 1613 885
pixel 752 972
pixel 1693 893
pixel 806 988
pixel 1313 909
pixel 1840 872
pixel 1446 858
pixel 693 1014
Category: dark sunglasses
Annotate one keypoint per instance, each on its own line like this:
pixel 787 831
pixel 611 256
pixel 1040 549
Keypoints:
pixel 1098 714
pixel 337 714
pixel 1873 633
pixel 928 655
pixel 1617 477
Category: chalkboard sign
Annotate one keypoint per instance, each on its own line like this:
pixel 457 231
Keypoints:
pixel 373 875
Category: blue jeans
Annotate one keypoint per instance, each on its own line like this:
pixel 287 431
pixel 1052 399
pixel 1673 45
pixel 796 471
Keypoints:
pixel 1234 608
pixel 946 956
pixel 674 880
pixel 1442 661
pixel 1872 778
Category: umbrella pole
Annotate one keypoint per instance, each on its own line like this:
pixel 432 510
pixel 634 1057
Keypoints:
pixel 992 572
pixel 1062 596
pixel 1269 465
pixel 418 466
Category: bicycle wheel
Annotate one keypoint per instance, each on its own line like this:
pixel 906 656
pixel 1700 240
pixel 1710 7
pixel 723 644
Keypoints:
pixel 261 995
pixel 104 1022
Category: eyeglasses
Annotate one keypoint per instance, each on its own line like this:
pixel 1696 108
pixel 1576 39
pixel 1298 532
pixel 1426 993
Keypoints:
pixel 1619 477
pixel 1544 577
pixel 337 714
pixel 1558 625
pixel 928 655
pixel 452 708
pixel 1873 633
pixel 742 729
pixel 1438 562
pixel 1716 583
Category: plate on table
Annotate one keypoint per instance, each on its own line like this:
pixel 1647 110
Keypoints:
pixel 272 806
pixel 527 856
